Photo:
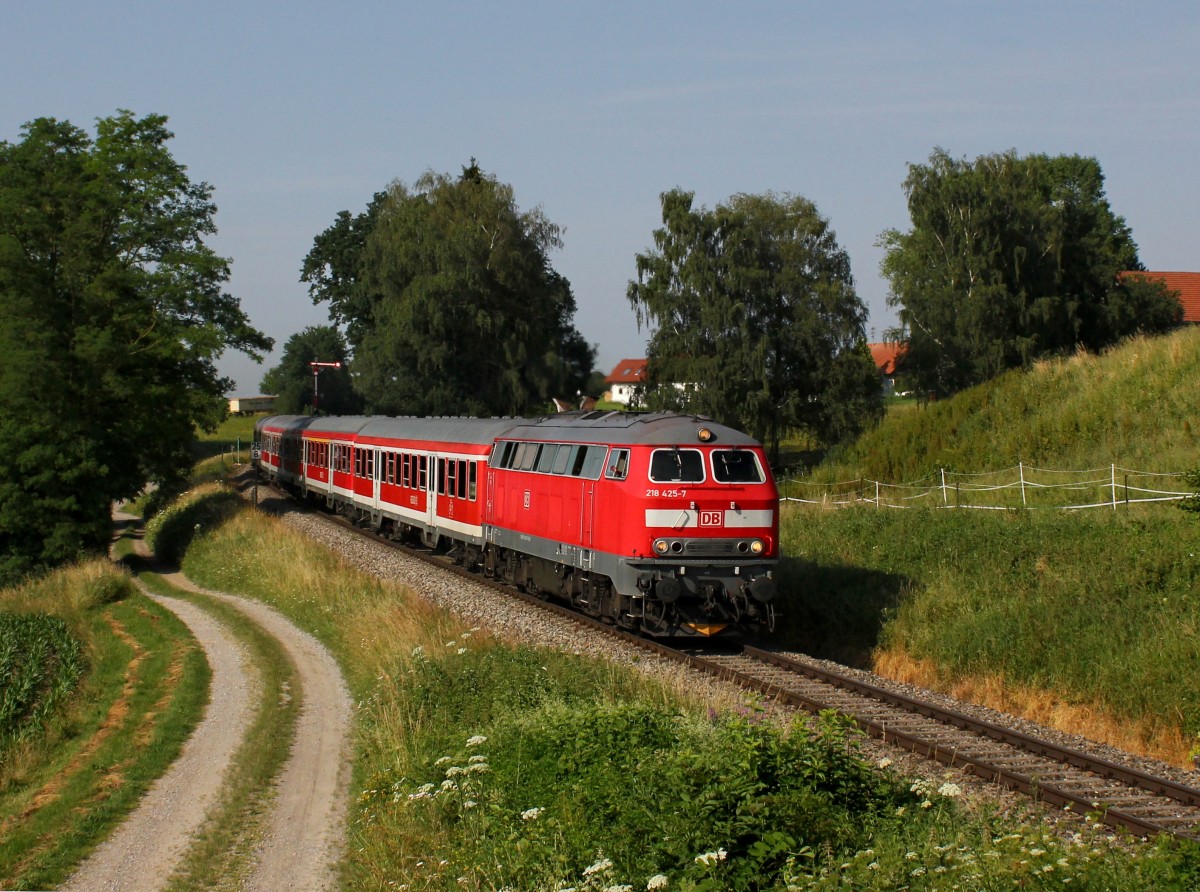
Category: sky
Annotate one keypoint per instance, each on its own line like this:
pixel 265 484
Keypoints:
pixel 296 111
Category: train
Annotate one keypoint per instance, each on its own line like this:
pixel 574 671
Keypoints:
pixel 663 524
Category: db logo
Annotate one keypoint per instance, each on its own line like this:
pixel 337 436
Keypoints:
pixel 710 518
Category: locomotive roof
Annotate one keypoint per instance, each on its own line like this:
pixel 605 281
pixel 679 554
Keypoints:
pixel 599 426
pixel 625 428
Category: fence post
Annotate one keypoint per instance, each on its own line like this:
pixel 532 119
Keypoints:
pixel 877 502
pixel 945 501
pixel 1021 470
pixel 1126 490
pixel 1114 486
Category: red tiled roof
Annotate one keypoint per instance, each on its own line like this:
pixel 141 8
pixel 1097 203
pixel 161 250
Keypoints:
pixel 1188 286
pixel 628 371
pixel 885 356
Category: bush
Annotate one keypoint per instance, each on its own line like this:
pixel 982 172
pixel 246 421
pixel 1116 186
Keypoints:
pixel 172 530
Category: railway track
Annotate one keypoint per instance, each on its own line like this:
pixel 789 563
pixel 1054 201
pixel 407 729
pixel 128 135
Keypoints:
pixel 1121 796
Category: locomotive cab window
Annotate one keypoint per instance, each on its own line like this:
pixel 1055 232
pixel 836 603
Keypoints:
pixel 618 465
pixel 677 466
pixel 736 466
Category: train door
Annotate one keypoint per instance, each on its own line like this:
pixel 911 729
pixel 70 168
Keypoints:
pixel 428 466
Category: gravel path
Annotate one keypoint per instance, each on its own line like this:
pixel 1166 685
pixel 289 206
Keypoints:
pixel 148 846
pixel 304 835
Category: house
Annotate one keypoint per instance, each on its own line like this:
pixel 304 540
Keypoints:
pixel 887 357
pixel 1186 284
pixel 247 405
pixel 626 377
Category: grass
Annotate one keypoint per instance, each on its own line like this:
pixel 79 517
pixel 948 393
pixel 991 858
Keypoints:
pixel 1084 620
pixel 64 789
pixel 482 764
pixel 232 439
pixel 1093 615
pixel 1133 405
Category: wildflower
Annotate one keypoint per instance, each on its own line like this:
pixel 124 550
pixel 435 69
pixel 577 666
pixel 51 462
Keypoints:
pixel 658 881
pixel 531 814
pixel 470 803
pixel 477 768
pixel 874 865
pixel 476 740
pixel 621 888
pixel 465 635
pixel 950 791
pixel 885 762
pixel 418 651
pixel 454 771
pixel 478 757
pixel 900 811
pixel 911 856
pixel 451 643
pixel 918 872
pixel 710 858
pixel 461 651
pixel 444 760
pixel 1037 852
pixel 926 804
pixel 601 866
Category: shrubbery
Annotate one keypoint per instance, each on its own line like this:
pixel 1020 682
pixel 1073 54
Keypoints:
pixel 171 530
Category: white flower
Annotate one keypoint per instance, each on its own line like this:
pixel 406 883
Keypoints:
pixel 710 858
pixel 621 888
pixel 476 740
pixel 470 803
pixel 600 866
pixel 461 651
pixel 454 771
pixel 950 791
pixel 444 760
pixel 418 651
pixel 531 814
pixel 658 881
pixel 926 804
pixel 477 768
pixel 885 762
pixel 478 757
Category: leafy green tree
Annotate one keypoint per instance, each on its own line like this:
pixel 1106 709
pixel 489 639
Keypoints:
pixel 755 320
pixel 1010 259
pixel 292 380
pixel 111 319
pixel 449 300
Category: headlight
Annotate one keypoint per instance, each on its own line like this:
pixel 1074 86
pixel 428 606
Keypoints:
pixel 758 546
pixel 661 546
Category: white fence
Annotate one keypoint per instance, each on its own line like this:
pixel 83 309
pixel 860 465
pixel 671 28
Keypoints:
pixel 1022 486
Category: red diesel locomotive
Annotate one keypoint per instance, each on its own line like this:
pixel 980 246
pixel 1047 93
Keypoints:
pixel 664 524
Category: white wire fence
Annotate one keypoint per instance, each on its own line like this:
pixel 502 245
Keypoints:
pixel 1023 486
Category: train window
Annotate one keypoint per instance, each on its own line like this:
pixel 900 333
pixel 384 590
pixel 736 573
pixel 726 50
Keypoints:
pixel 474 484
pixel 461 489
pixel 369 464
pixel 441 476
pixel 517 455
pixel 389 469
pixel 736 466
pixel 589 462
pixel 422 472
pixel 547 458
pixel 502 454
pixel 618 465
pixel 560 462
pixel 529 456
pixel 360 458
pixel 677 466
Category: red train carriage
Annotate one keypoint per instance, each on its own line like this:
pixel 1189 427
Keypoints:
pixel 663 523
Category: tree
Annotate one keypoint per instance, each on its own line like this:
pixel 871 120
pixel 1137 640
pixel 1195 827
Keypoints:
pixel 449 300
pixel 1010 259
pixel 753 311
pixel 292 380
pixel 111 319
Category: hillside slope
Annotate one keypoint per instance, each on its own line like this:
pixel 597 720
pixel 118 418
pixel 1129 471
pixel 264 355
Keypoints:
pixel 1135 405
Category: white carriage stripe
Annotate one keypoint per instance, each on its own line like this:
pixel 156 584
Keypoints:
pixel 673 518
pixel 756 518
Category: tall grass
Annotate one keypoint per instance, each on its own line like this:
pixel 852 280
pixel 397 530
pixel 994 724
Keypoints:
pixel 101 744
pixel 1134 405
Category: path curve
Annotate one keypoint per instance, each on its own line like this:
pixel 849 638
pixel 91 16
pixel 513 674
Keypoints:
pixel 151 842
pixel 304 834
